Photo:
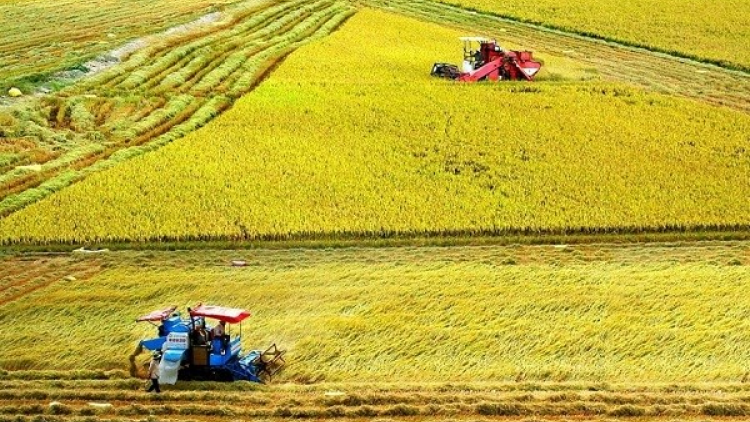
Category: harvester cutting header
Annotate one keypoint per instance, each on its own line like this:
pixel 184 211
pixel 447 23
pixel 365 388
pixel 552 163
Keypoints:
pixel 190 349
pixel 489 62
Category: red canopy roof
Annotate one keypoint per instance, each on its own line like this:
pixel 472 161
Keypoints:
pixel 158 315
pixel 230 315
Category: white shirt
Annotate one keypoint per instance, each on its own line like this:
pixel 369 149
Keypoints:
pixel 218 330
pixel 153 369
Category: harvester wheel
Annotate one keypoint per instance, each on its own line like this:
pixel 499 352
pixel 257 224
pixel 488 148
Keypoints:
pixel 222 375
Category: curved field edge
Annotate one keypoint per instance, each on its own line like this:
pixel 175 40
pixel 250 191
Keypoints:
pixel 245 159
pixel 677 52
pixel 121 133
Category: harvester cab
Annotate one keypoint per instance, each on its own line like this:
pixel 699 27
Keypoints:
pixel 474 58
pixel 192 349
pixel 484 59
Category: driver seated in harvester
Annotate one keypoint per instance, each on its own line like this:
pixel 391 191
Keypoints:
pixel 478 62
pixel 199 335
pixel 218 332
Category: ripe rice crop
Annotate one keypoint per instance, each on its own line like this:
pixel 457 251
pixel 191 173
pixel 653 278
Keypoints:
pixel 350 136
pixel 127 110
pixel 593 58
pixel 526 314
pixel 712 30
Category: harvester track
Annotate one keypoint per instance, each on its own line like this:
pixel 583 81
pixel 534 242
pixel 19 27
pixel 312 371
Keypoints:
pixel 651 70
pixel 209 69
pixel 22 277
pixel 124 399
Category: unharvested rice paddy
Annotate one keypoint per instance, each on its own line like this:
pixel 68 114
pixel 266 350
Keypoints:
pixel 59 139
pixel 655 72
pixel 373 147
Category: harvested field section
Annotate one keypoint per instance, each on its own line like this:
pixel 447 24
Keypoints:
pixel 21 276
pixel 38 37
pixel 685 27
pixel 613 62
pixel 160 93
pixel 120 399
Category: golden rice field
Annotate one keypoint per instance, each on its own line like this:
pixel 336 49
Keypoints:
pixel 374 146
pixel 179 80
pixel 588 332
pixel 38 37
pixel 717 31
pixel 172 86
pixel 596 58
pixel 315 123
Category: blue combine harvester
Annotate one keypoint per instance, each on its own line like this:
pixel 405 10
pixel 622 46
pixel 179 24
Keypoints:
pixel 190 351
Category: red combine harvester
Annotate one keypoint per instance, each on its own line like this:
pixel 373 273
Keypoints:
pixel 489 62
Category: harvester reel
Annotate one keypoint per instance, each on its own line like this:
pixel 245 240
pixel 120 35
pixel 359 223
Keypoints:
pixel 270 362
pixel 445 70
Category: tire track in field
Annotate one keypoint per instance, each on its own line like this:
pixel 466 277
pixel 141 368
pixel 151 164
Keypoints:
pixel 193 40
pixel 314 18
pixel 198 101
pixel 288 22
pixel 508 402
pixel 233 84
pixel 33 275
pixel 210 45
pixel 654 71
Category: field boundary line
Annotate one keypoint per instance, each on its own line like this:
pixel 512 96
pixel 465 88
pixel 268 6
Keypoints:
pixel 323 241
pixel 736 69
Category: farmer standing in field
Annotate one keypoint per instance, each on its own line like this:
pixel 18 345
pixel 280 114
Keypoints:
pixel 153 373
